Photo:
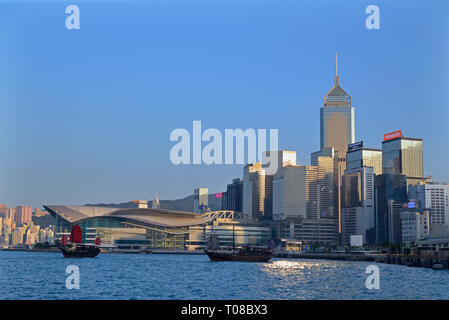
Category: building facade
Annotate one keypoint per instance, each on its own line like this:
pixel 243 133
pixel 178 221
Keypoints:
pixel 434 196
pixel 389 188
pixel 337 121
pixel 415 225
pixel 200 200
pixel 23 214
pixel 143 228
pixel 358 204
pixel 405 156
pixel 257 192
pixel 303 202
pixel 234 195
pixel 279 159
pixel 364 157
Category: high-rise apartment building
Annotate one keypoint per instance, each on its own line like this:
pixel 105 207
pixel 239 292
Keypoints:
pixel 403 155
pixel 3 210
pixel 23 214
pixel 17 236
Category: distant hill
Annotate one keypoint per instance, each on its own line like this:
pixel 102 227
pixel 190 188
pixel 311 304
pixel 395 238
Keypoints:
pixel 44 221
pixel 185 204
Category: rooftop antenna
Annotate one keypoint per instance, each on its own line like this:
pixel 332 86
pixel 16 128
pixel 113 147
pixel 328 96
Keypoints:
pixel 337 80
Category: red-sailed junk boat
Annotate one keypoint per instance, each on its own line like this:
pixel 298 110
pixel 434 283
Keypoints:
pixel 243 253
pixel 75 249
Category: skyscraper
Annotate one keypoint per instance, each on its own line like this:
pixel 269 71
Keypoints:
pixel 303 201
pixel 295 192
pixel 403 155
pixel 234 195
pixel 257 194
pixel 337 131
pixel 364 157
pixel 358 204
pixel 23 214
pixel 3 210
pixel 390 189
pixel 337 123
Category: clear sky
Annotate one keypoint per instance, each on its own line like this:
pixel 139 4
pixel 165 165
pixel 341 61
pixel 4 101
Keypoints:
pixel 86 114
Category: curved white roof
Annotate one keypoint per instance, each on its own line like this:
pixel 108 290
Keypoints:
pixel 158 217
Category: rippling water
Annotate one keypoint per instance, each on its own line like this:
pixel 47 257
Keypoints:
pixel 36 275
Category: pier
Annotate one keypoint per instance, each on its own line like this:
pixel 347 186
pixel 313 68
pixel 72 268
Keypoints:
pixel 436 261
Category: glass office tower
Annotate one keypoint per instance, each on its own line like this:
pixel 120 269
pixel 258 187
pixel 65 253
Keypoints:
pixel 337 124
pixel 364 157
pixel 389 188
pixel 404 155
pixel 337 130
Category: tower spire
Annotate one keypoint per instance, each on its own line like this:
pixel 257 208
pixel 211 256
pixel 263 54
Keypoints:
pixel 336 79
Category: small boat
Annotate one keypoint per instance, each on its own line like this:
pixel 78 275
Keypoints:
pixel 75 249
pixel 146 251
pixel 437 266
pixel 243 253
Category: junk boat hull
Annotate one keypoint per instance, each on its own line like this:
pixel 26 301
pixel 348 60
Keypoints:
pixel 247 254
pixel 80 251
pixel 244 253
pixel 222 256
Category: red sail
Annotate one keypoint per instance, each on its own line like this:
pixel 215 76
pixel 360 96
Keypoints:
pixel 64 240
pixel 76 235
pixel 98 241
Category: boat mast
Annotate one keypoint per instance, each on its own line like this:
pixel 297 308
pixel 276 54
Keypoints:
pixel 233 239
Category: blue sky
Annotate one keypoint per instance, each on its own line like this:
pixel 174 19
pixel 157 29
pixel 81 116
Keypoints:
pixel 86 114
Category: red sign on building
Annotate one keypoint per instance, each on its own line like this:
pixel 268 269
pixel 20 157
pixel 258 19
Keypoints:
pixel 392 135
pixel 218 195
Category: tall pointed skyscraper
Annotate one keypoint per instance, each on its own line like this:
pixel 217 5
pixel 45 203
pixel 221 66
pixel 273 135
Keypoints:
pixel 337 130
pixel 337 123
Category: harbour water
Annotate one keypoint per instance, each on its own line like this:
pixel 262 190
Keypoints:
pixel 42 275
